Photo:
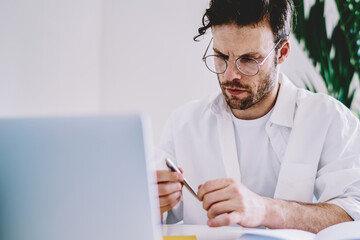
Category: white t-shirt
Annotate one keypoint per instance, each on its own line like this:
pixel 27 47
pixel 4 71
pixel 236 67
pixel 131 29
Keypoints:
pixel 259 165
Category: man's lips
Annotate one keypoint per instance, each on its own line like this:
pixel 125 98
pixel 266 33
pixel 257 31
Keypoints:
pixel 234 91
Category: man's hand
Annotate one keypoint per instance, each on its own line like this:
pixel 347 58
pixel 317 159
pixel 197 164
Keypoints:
pixel 169 187
pixel 238 204
pixel 228 202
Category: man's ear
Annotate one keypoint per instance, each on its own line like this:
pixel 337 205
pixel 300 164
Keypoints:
pixel 284 51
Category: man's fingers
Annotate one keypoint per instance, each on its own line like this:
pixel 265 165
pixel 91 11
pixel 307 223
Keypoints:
pixel 168 199
pixel 225 220
pixel 220 208
pixel 217 196
pixel 168 176
pixel 170 206
pixel 168 188
pixel 214 185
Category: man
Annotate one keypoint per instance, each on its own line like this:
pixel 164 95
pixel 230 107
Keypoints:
pixel 263 152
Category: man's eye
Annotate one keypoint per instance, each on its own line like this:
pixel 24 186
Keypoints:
pixel 223 57
pixel 246 60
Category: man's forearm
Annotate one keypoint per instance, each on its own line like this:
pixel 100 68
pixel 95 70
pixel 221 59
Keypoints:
pixel 308 217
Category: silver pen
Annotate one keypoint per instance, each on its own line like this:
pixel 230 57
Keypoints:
pixel 173 168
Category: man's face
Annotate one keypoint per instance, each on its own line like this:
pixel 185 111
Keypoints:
pixel 240 91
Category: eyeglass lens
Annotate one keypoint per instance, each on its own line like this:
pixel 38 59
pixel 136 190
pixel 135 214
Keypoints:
pixel 218 64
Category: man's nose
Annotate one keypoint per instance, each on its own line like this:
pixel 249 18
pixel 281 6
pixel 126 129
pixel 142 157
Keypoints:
pixel 232 72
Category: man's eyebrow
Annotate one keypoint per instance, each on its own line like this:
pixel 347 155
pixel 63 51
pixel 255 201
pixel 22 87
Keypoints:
pixel 249 54
pixel 218 52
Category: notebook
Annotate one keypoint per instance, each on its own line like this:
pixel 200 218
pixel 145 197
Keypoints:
pixel 77 178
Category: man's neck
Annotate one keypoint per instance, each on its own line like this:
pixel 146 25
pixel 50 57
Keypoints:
pixel 261 108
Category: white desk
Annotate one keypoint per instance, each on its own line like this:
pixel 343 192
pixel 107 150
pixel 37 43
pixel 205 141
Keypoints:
pixel 203 232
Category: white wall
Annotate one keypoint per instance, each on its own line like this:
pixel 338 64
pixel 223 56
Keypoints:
pixel 86 56
pixel 151 63
pixel 49 56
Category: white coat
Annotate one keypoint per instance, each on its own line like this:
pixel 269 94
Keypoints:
pixel 315 137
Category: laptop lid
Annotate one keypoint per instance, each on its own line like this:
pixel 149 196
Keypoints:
pixel 76 178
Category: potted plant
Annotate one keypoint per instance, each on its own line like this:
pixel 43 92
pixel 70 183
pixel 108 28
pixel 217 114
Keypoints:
pixel 337 57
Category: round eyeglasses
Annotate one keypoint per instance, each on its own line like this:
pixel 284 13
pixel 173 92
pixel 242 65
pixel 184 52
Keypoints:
pixel 246 65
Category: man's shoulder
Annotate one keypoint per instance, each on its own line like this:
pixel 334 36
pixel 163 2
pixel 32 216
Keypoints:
pixel 196 109
pixel 322 100
pixel 294 102
pixel 198 105
pixel 322 105
pixel 305 97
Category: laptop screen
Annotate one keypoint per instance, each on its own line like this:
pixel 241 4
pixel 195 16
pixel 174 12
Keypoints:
pixel 76 178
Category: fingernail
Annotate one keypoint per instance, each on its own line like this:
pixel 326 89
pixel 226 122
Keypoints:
pixel 199 186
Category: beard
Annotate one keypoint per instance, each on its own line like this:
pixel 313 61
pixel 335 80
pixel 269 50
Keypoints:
pixel 256 93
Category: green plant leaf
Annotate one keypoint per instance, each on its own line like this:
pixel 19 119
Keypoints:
pixel 349 11
pixel 337 58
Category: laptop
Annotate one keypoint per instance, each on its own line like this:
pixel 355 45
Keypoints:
pixel 82 178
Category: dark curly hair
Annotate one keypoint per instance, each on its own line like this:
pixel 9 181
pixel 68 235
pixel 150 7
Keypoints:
pixel 279 13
